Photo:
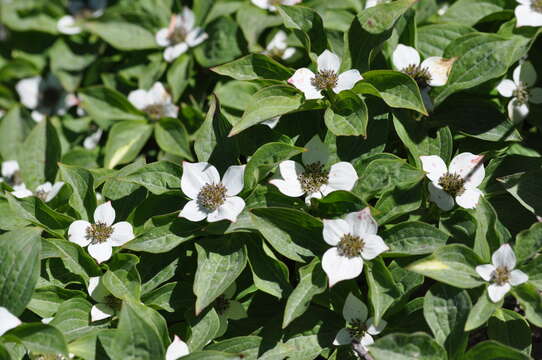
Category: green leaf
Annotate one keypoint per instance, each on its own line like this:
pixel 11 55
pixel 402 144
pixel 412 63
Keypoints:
pixel 222 45
pixel 254 67
pixel 526 188
pixel 379 19
pixel 158 177
pixel 434 38
pixel 204 328
pixel 530 300
pixel 211 355
pixel 122 279
pixel 74 258
pixel 528 243
pixel 247 346
pixel 72 318
pixel 307 26
pixel 481 312
pixel 383 290
pixel 123 35
pixel 407 347
pixel 19 267
pixel 41 338
pixel 172 137
pixel 490 350
pixel 452 264
pixel 413 238
pixel 337 203
pixel 511 329
pixel 312 281
pixel 125 141
pixel 83 198
pixel 253 22
pixel 14 128
pixel 106 104
pixel 469 12
pixel 445 310
pixel 178 75
pixel 398 202
pixel 220 261
pixel 490 232
pixel 46 300
pixel 348 115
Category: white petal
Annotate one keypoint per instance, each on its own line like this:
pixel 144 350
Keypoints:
pixel 440 197
pixel 288 53
pixel 66 25
pixel 504 257
pixel 439 68
pixel 54 191
pixel 535 95
pixel 362 222
pixel 317 151
pixel 47 320
pixel 170 110
pixel 176 349
pixel 197 175
pixel 45 187
pixel 188 19
pixel 37 116
pixel 92 140
pixel 139 98
pixel 290 170
pixel 100 312
pixel 375 329
pixel 343 337
pixel 434 166
pixel 314 195
pixel 278 41
pixel 328 61
pixel 518 277
pixel 506 87
pixel 470 167
pixel 342 176
pixel 233 179
pixel 525 74
pixel 231 208
pixel 272 123
pixel 334 229
pixel 347 80
pixel 403 56
pixel 21 192
pixel 291 188
pixel 8 321
pixel 77 232
pixel 497 292
pixel 374 246
pixel 101 252
pixel 158 94
pixel 366 340
pixel 302 80
pixel 196 37
pixel 122 233
pixel 526 16
pixel 354 309
pixel 371 3
pixel 28 90
pixel 161 37
pixel 485 271
pixel 104 214
pixel 263 4
pixel 173 52
pixel 193 212
pixel 517 111
pixel 9 168
pixel 97 290
pixel 339 267
pixel 469 199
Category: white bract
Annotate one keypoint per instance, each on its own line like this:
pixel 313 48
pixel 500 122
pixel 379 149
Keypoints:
pixel 8 321
pixel 529 13
pixel 156 102
pixel 501 274
pixel 327 77
pixel 80 10
pixel 359 330
pixel 227 308
pixel 373 3
pixel 11 174
pixel 312 178
pixel 271 5
pixel 177 349
pixel 180 35
pixel 106 305
pixel 278 46
pixel 93 139
pixel 46 191
pixel 353 239
pixel 101 236
pixel 460 181
pixel 521 91
pixel 210 197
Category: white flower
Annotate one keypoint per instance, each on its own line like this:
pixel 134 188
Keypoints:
pixel 312 178
pixel 101 236
pixel 272 123
pixel 11 174
pixel 180 35
pixel 500 273
pixel 529 13
pixel 46 191
pixel 211 198
pixel 80 9
pixel 521 91
pixel 372 3
pixel 156 102
pixel 10 168
pixel 107 303
pixel 327 78
pixel 227 308
pixel 271 5
pixel 459 181
pixel 278 46
pixel 93 139
pixel 176 349
pixel 353 239
pixel 359 329
pixel 8 321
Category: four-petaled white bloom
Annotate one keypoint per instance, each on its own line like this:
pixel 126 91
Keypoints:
pixel 521 91
pixel 460 181
pixel 227 308
pixel 80 9
pixel 271 5
pixel 8 321
pixel 46 191
pixel 529 13
pixel 156 102
pixel 278 46
pixel 312 178
pixel 211 198
pixel 359 329
pixel 176 349
pixel 101 236
pixel 106 305
pixel 180 35
pixel 501 274
pixel 327 77
pixel 432 72
pixel 353 239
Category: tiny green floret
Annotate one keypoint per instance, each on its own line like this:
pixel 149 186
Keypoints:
pixel 357 328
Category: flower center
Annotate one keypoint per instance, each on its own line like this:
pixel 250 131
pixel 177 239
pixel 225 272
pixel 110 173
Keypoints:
pixel 14 179
pixel 98 233
pixel 41 194
pixel 357 328
pixel 419 74
pixel 211 196
pixel 113 302
pixel 453 184
pixel 325 79
pixel 521 93
pixel 313 177
pixel 350 246
pixel 177 35
pixel 221 304
pixel 155 111
pixel 536 5
pixel 50 97
pixel 501 275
